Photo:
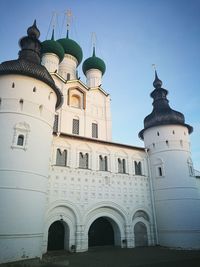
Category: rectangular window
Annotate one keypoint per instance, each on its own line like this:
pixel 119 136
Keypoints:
pixel 138 168
pixel 55 125
pixel 83 160
pixel 61 158
pixel 75 126
pixel 121 165
pixel 103 164
pixel 160 173
pixel 94 130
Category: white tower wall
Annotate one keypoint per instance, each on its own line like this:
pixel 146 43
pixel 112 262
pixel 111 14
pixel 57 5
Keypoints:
pixel 50 61
pixel 68 67
pixel 24 169
pixel 177 201
pixel 94 78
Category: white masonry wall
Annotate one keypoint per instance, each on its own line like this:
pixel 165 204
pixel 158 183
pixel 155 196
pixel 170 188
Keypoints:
pixel 95 108
pixel 26 108
pixel 79 196
pixel 177 200
pixel 50 61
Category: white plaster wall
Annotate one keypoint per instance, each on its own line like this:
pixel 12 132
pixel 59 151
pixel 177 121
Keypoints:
pixel 94 77
pixel 50 61
pixel 91 193
pixel 176 195
pixel 97 109
pixel 24 170
pixel 68 65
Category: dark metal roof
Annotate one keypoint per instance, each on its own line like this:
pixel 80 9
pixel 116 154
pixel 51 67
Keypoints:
pixel 162 113
pixel 29 62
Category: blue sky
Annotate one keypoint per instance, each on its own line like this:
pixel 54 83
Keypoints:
pixel 131 36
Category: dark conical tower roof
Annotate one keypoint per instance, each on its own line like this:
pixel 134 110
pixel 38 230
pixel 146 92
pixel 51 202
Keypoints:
pixel 162 113
pixel 29 61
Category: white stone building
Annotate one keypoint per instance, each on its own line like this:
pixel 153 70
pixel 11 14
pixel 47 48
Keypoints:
pixel 64 184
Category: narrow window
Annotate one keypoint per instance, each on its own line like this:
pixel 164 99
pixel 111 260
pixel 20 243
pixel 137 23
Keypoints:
pixel 34 89
pixel 61 158
pixel 75 126
pixel 94 130
pixel 68 76
pixel 103 165
pixel 121 165
pixel 160 171
pixel 124 166
pixel 83 160
pixel 138 168
pixel 13 85
pixel 21 102
pixel 55 125
pixel 158 133
pixel 20 140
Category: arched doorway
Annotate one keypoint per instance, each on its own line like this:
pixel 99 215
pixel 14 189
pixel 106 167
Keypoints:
pixel 140 232
pixel 101 233
pixel 56 236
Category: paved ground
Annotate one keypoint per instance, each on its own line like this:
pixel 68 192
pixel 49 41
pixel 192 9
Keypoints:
pixel 116 257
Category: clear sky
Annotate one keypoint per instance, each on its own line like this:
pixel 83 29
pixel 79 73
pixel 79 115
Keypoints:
pixel 131 35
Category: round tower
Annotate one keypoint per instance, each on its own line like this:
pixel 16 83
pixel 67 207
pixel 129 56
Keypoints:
pixel 52 54
pixel 177 202
pixel 72 58
pixel 94 68
pixel 28 98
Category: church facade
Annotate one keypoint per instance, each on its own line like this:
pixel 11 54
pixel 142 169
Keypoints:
pixel 64 183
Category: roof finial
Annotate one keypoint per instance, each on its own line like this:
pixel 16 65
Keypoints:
pixel 69 15
pixel 52 36
pixel 93 43
pixel 33 31
pixel 157 82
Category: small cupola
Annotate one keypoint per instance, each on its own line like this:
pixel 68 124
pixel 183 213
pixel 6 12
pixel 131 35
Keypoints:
pixel 52 54
pixel 72 58
pixel 53 47
pixel 71 48
pixel 94 68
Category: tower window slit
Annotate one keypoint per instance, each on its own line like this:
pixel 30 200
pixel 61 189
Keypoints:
pixel 20 140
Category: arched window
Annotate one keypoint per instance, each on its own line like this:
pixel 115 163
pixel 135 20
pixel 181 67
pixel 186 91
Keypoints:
pixel 75 101
pixel 20 136
pixel 94 130
pixel 61 157
pixel 20 140
pixel 141 214
pixel 103 163
pixel 75 126
pixel 138 168
pixel 121 165
pixel 83 160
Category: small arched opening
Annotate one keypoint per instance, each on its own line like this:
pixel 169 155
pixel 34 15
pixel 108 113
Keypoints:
pixel 140 232
pixel 103 232
pixel 58 236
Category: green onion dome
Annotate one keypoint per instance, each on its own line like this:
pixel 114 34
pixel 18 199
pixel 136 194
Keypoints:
pixel 72 48
pixel 94 63
pixel 52 46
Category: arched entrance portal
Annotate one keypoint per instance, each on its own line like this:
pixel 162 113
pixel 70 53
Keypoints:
pixel 56 236
pixel 101 233
pixel 140 232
